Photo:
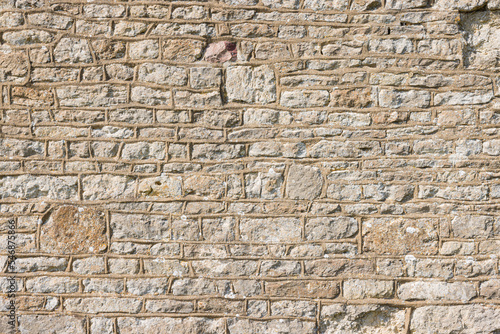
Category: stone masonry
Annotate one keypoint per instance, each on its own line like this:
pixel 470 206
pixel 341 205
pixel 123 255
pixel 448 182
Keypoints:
pixel 251 166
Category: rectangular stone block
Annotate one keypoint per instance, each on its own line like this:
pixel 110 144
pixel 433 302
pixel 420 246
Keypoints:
pixel 400 236
pixel 138 226
pixel 271 230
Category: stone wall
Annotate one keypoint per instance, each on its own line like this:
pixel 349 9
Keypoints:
pixel 251 166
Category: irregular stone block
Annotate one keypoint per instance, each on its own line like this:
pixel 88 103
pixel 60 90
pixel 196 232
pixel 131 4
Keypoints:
pixel 60 324
pixel 72 50
pixel 400 236
pixel 251 84
pixel 466 319
pixel 270 230
pixel 116 186
pixel 170 325
pixel 39 186
pixel 331 228
pixel 457 291
pixel 73 230
pixel 350 319
pixel 241 326
pixel 304 182
pixel 138 226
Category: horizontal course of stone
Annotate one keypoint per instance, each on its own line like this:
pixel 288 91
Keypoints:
pixel 251 166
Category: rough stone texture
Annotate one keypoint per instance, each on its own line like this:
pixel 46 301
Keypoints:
pixel 251 84
pixel 367 318
pixel 246 166
pixel 304 182
pixel 456 319
pixel 72 229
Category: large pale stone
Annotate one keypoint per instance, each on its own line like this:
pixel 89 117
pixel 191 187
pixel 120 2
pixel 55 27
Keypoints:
pixel 330 228
pixel 170 325
pixel 106 186
pixel 354 319
pixel 72 50
pixel 161 186
pixel 463 319
pixel 13 64
pixel 102 304
pixel 244 326
pixel 481 29
pixel 270 230
pixel 251 84
pixel 457 291
pixel 138 226
pixel 44 324
pixel 91 96
pixel 304 182
pixel 38 186
pixel 162 74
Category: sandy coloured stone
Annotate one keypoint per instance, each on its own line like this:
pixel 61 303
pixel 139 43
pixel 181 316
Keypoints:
pixel 241 326
pixel 304 182
pixel 369 318
pixel 251 84
pixel 330 228
pixel 73 230
pixel 400 236
pixel 13 65
pixel 465 319
pixel 71 50
pixel 162 325
pixel 51 324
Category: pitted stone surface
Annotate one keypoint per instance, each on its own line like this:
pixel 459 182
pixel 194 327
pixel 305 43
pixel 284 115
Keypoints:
pixel 73 230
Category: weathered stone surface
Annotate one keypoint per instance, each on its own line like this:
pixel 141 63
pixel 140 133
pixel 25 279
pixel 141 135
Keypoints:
pixel 117 187
pixel 40 186
pixel 468 226
pixel 240 326
pixel 138 226
pixel 404 99
pixel 270 230
pixel 70 50
pixel 368 318
pixel 251 84
pixel 72 229
pixel 91 96
pixel 331 228
pixel 361 289
pixel 455 319
pixel 162 74
pixel 95 305
pixel 321 289
pixel 304 182
pixel 400 236
pixel 205 77
pixel 170 325
pixel 220 52
pixel 150 96
pixel 162 186
pixel 304 98
pixel 241 166
pixel 490 289
pixel 183 50
pixel 457 291
pixel 13 65
pixel 63 324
